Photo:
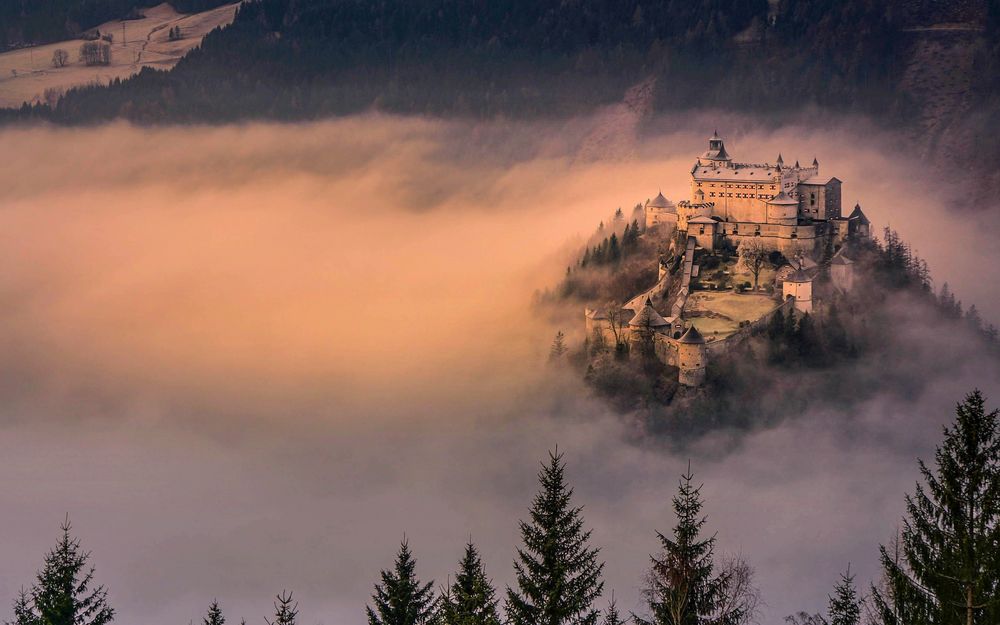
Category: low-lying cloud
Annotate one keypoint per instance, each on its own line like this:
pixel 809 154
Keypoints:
pixel 249 358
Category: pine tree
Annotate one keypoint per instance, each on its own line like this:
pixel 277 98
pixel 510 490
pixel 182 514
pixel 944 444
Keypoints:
pixel 285 610
pixel 614 249
pixel 684 587
pixel 62 594
pixel 611 616
pixel 400 599
pixel 845 604
pixel 558 349
pixel 23 613
pixel 471 600
pixel 973 318
pixel 558 575
pixel 945 569
pixel 214 616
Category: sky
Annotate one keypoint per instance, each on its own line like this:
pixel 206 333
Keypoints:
pixel 254 357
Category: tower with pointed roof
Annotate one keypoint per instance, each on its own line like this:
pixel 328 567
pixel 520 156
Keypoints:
pixel 643 326
pixel 716 155
pixel 660 212
pixel 692 358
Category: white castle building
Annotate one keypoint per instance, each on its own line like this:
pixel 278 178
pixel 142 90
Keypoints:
pixel 791 208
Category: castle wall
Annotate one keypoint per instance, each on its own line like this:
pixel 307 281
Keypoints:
pixel 784 238
pixel 664 220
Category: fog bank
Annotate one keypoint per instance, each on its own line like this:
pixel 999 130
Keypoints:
pixel 249 358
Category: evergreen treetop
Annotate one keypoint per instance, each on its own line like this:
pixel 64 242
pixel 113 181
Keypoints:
pixel 400 598
pixel 845 604
pixel 946 567
pixel 214 616
pixel 285 610
pixel 558 574
pixel 471 599
pixel 63 592
pixel 684 586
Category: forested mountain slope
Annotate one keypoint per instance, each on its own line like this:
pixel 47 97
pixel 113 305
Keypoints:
pixel 928 67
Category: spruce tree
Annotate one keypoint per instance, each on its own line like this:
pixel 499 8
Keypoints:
pixel 945 569
pixel 611 615
pixel 471 599
pixel 285 610
pixel 845 604
pixel 614 249
pixel 684 587
pixel 214 616
pixel 62 594
pixel 558 349
pixel 23 612
pixel 400 599
pixel 558 574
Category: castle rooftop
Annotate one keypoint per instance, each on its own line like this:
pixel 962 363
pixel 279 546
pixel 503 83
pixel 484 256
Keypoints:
pixel 648 317
pixel 660 202
pixel 692 337
pixel 782 198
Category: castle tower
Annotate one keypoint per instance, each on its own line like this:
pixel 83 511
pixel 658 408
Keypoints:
pixel 716 156
pixel 692 356
pixel 798 286
pixel 643 325
pixel 782 210
pixel 660 211
pixel 858 224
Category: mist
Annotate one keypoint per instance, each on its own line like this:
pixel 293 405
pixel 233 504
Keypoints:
pixel 252 358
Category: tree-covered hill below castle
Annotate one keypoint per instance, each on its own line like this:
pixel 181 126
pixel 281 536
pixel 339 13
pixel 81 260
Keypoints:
pixel 891 333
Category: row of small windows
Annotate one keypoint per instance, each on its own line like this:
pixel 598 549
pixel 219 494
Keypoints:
pixel 750 196
pixel 739 186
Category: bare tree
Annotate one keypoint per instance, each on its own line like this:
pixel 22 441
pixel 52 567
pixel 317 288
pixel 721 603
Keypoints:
pixel 740 595
pixel 59 58
pixel 616 319
pixel 51 96
pixel 95 53
pixel 753 254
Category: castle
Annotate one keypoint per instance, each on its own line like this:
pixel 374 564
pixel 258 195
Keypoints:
pixel 793 210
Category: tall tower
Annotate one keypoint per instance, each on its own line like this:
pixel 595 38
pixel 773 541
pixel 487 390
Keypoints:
pixel 692 356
